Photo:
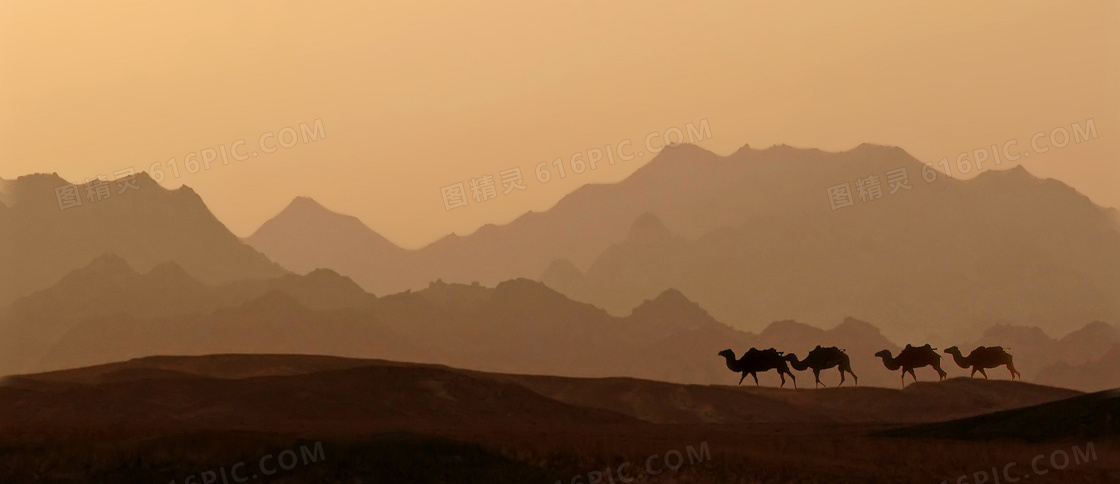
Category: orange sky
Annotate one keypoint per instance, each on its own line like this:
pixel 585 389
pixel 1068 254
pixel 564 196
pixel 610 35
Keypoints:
pixel 416 97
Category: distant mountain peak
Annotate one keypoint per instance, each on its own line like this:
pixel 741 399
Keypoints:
pixel 671 296
pixel 325 274
pixel 854 325
pixel 304 204
pixel 109 262
pixel 670 163
pixel 670 302
pixel 520 285
pixel 788 326
pixel 648 228
pixel 1094 330
pixel 561 270
pixel 41 178
pixel 305 214
pixel 1017 174
pixel 874 148
pixel 1004 330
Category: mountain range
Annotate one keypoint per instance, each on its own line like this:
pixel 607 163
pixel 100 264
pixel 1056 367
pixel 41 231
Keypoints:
pixel 108 311
pixel 42 238
pixel 648 277
pixel 752 238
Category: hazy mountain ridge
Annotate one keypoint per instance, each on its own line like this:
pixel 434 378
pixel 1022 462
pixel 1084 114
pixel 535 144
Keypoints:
pixel 147 226
pixel 752 238
pixel 692 189
pixel 942 263
pixel 342 243
pixel 1094 375
pixel 108 312
pixel 107 309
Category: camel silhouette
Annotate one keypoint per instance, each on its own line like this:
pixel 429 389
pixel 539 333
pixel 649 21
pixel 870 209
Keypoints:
pixel 754 361
pixel 910 358
pixel 984 357
pixel 823 359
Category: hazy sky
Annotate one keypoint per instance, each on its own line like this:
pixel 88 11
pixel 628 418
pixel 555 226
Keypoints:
pixel 418 96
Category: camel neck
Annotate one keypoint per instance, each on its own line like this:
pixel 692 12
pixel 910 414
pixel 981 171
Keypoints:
pixel 732 364
pixel 891 363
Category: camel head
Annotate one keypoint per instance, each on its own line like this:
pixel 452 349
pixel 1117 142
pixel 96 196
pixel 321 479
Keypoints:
pixel 732 363
pixel 961 360
pixel 795 363
pixel 888 360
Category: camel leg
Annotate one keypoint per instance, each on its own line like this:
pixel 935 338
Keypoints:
pixel 848 368
pixel 982 372
pixel 973 372
pixel 817 375
pixel 794 378
pixel 940 373
pixel 1014 372
pixel 742 378
pixel 753 375
pixel 912 375
pixel 841 377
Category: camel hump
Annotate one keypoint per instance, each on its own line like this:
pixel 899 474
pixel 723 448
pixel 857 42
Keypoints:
pixel 992 350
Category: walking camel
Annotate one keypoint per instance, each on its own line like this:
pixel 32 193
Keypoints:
pixel 754 361
pixel 823 359
pixel 984 357
pixel 910 358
